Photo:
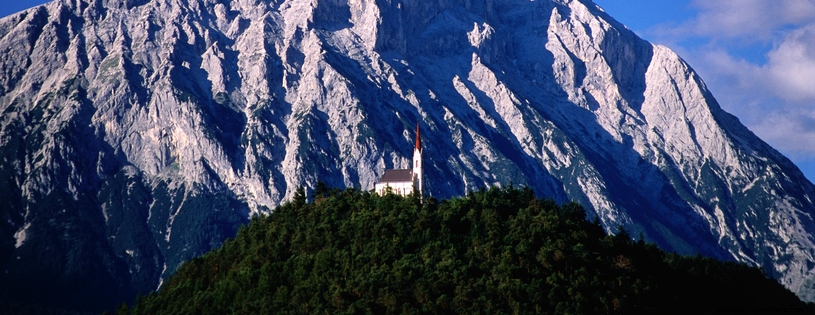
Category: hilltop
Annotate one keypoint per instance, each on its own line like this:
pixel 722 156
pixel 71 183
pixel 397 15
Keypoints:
pixel 496 251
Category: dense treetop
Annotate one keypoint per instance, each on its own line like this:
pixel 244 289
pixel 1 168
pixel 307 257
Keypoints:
pixel 496 251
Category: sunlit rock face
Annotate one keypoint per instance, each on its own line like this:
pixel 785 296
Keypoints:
pixel 137 134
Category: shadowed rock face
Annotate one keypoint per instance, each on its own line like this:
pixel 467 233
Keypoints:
pixel 137 134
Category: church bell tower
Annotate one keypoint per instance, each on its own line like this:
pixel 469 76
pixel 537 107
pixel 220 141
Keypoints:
pixel 417 162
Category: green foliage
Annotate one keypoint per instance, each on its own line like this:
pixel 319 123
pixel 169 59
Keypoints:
pixel 496 251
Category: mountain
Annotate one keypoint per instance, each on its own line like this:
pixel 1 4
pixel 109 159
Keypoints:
pixel 138 134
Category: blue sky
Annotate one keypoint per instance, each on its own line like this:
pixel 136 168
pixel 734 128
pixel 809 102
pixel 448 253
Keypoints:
pixel 7 7
pixel 756 56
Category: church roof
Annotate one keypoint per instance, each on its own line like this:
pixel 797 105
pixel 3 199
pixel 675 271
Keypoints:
pixel 395 176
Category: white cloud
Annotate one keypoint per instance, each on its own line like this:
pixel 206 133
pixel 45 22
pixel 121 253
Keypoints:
pixel 790 132
pixel 748 19
pixel 788 74
pixel 791 65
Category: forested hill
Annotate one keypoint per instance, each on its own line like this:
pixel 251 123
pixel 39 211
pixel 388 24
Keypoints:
pixel 496 251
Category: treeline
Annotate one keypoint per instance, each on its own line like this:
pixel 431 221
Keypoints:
pixel 496 251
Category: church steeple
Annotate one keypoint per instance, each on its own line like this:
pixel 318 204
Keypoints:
pixel 417 162
pixel 418 139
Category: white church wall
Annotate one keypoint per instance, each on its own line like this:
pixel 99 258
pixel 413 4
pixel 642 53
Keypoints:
pixel 399 188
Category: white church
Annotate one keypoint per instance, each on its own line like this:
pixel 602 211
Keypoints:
pixel 404 181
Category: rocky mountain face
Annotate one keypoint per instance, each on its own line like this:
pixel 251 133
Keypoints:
pixel 137 134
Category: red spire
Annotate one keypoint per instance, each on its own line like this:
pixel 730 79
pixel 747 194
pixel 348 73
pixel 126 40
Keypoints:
pixel 418 138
